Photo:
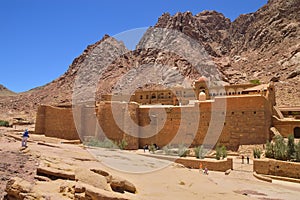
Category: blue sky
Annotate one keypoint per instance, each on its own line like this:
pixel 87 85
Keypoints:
pixel 40 38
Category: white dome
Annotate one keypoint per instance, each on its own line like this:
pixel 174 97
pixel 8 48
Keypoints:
pixel 202 96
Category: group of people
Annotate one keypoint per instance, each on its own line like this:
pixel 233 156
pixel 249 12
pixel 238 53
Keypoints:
pixel 248 159
pixel 201 170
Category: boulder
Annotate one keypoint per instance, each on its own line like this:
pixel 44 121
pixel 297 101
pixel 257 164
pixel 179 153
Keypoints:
pixel 54 173
pixel 293 74
pixel 120 185
pixel 91 178
pixel 96 193
pixel 17 188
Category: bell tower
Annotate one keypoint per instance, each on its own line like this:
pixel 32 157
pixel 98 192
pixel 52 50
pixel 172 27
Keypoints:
pixel 200 86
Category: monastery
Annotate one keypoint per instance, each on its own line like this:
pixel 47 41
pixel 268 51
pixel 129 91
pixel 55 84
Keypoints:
pixel 232 115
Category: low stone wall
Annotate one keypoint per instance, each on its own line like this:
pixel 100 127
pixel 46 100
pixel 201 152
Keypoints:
pixel 277 168
pixel 211 164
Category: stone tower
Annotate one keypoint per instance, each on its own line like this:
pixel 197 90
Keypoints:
pixel 200 86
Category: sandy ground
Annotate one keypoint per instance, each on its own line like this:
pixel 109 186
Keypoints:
pixel 154 179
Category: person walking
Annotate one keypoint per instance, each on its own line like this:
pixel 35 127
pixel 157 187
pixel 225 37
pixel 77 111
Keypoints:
pixel 25 137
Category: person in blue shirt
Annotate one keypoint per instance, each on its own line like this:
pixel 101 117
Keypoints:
pixel 25 137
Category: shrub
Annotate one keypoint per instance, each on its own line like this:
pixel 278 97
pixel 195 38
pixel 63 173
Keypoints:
pixel 4 123
pixel 256 153
pixel 296 155
pixel 255 81
pixel 152 148
pixel 167 149
pixel 221 152
pixel 280 148
pixel 269 150
pixel 200 152
pixel 122 144
pixel 106 143
pixel 182 150
pixel 290 147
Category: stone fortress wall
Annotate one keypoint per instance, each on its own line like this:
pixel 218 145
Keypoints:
pixel 249 115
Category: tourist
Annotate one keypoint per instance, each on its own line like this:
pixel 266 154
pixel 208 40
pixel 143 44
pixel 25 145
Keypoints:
pixel 145 147
pixel 247 159
pixel 243 159
pixel 200 168
pixel 205 171
pixel 25 137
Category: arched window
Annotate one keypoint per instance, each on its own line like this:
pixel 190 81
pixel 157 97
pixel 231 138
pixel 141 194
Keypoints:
pixel 161 96
pixel 297 132
pixel 153 96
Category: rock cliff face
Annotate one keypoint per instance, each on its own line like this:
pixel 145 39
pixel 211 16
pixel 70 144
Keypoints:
pixel 263 45
pixel 5 92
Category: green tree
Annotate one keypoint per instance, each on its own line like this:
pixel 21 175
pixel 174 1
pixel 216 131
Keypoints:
pixel 256 153
pixel 221 152
pixel 280 148
pixel 269 150
pixel 296 155
pixel 290 147
pixel 200 152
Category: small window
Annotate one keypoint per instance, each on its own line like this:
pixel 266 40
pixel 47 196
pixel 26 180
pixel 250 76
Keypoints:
pixel 232 113
pixel 254 112
pixel 141 97
pixel 243 112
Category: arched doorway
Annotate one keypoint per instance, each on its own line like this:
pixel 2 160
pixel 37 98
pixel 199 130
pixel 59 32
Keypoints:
pixel 297 132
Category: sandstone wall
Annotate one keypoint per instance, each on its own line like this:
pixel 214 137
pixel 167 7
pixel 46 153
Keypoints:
pixel 56 122
pixel 112 130
pixel 277 168
pixel 247 121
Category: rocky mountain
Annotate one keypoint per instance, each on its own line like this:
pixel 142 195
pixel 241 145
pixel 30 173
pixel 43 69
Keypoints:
pixel 263 45
pixel 6 92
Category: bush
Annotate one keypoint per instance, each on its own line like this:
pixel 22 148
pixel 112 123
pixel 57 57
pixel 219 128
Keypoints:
pixel 4 123
pixel 255 81
pixel 122 144
pixel 182 150
pixel 200 152
pixel 280 148
pixel 290 147
pixel 167 150
pixel 296 155
pixel 106 143
pixel 269 150
pixel 221 152
pixel 152 148
pixel 256 153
